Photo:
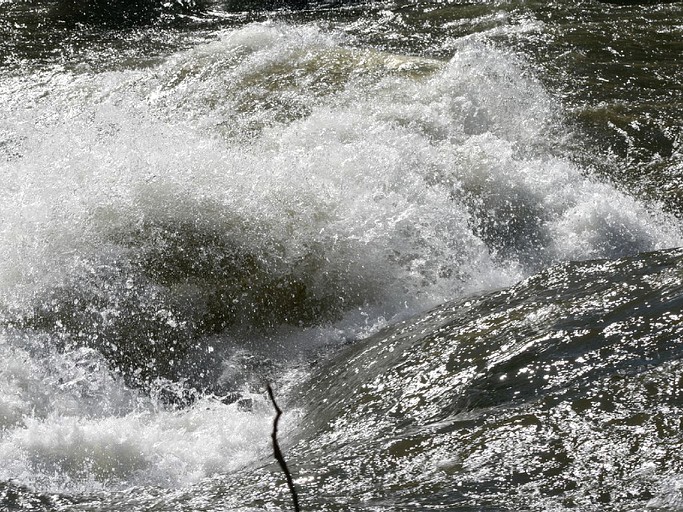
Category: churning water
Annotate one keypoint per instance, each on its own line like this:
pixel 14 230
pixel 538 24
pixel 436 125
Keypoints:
pixel 445 232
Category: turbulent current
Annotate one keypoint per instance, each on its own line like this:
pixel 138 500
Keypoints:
pixel 448 235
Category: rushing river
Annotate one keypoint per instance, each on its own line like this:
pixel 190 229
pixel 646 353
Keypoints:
pixel 446 232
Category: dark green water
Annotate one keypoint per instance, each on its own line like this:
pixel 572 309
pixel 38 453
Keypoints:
pixel 447 233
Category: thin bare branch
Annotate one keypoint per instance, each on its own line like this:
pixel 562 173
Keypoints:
pixel 278 453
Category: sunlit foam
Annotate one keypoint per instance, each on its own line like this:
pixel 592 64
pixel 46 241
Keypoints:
pixel 168 449
pixel 69 425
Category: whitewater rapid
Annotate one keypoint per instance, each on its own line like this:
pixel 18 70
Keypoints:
pixel 350 187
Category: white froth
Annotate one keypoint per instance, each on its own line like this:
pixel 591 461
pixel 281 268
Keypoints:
pixel 168 449
pixel 398 169
pixel 67 424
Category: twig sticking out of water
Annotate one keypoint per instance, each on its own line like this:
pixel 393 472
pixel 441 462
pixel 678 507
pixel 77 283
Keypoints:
pixel 278 453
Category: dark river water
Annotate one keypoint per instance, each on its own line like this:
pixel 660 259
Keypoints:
pixel 446 233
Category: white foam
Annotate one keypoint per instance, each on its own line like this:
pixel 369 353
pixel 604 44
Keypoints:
pixel 68 424
pixel 387 170
pixel 168 449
